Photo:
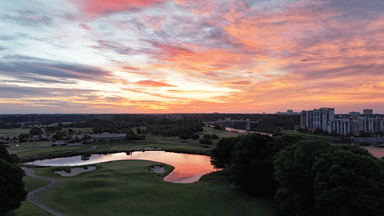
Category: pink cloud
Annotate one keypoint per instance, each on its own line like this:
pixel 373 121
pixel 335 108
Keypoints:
pixel 154 23
pixel 97 7
pixel 85 27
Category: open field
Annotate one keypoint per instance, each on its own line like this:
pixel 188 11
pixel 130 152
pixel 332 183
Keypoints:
pixel 128 188
pixel 13 132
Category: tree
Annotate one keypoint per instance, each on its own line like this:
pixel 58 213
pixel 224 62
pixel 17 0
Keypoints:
pixel 221 155
pixel 12 191
pixel 36 131
pixel 318 131
pixel 214 137
pixel 207 139
pixel 333 133
pixel 319 179
pixel 217 127
pixel 349 183
pixel 138 130
pixel 195 137
pixel 293 172
pixel 198 128
pixel 252 160
pixel 184 136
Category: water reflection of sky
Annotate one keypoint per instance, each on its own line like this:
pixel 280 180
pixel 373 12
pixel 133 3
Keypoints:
pixel 188 168
pixel 244 131
pixel 377 152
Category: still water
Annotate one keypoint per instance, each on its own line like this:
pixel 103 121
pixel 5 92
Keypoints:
pixel 188 167
pixel 377 152
pixel 244 131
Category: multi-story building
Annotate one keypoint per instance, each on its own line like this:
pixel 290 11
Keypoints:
pixel 367 111
pixel 303 119
pixel 318 118
pixel 381 123
pixel 354 113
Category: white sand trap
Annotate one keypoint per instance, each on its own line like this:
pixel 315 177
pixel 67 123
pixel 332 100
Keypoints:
pixel 158 148
pixel 76 171
pixel 148 148
pixel 158 169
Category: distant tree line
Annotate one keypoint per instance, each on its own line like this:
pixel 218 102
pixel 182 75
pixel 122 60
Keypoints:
pixel 167 128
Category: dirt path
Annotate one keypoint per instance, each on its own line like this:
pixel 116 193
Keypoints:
pixel 31 195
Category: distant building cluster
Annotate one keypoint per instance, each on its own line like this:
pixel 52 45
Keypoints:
pixel 289 112
pixel 354 122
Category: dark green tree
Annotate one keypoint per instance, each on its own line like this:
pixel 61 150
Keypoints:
pixel 253 161
pixel 36 131
pixel 195 137
pixel 349 181
pixel 221 155
pixel 184 136
pixel 214 137
pixel 198 128
pixel 12 191
pixel 293 170
pixel 319 179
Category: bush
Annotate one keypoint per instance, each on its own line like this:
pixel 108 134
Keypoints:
pixel 195 137
pixel 184 136
pixel 205 141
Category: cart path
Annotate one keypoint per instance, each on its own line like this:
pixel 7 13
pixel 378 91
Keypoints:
pixel 31 195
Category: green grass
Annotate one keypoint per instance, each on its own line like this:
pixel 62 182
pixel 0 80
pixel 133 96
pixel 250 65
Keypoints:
pixel 27 208
pixel 13 132
pixel 34 183
pixel 162 146
pixel 295 132
pixel 128 188
pixel 50 150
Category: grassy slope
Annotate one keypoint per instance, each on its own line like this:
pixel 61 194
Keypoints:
pixel 127 188
pixel 48 150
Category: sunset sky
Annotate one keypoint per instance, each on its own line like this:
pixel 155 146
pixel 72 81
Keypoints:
pixel 190 56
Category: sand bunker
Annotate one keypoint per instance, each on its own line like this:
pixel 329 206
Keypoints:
pixel 158 169
pixel 76 171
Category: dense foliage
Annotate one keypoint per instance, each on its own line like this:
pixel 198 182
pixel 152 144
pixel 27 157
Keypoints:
pixel 319 179
pixel 12 191
pixel 307 178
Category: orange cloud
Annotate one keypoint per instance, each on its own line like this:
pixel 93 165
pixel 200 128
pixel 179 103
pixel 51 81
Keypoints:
pixel 152 83
pixel 237 83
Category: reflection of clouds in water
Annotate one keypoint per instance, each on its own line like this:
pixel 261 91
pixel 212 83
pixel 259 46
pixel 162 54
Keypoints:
pixel 377 152
pixel 188 167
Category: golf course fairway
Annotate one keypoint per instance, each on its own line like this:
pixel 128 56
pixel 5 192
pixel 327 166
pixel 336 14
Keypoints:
pixel 129 188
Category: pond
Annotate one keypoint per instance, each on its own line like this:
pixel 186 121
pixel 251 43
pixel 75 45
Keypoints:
pixel 188 167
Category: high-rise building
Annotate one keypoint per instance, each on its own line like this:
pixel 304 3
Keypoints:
pixel 303 119
pixel 318 118
pixel 367 111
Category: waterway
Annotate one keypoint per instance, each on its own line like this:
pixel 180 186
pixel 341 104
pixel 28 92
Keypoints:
pixel 244 131
pixel 188 167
